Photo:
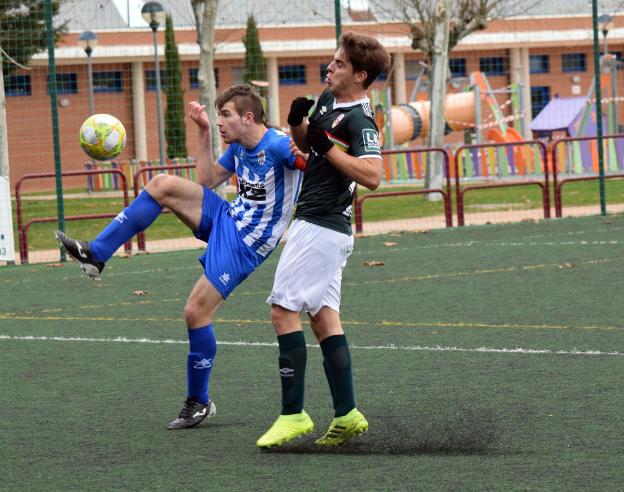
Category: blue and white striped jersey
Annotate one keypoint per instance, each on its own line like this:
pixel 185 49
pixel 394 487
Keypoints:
pixel 268 185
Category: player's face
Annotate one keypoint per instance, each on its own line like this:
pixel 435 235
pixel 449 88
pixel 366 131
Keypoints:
pixel 341 79
pixel 231 124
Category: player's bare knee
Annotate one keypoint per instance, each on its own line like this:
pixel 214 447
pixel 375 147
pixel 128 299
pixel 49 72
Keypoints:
pixel 193 314
pixel 284 321
pixel 159 187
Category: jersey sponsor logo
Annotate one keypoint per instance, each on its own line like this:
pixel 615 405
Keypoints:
pixel 323 110
pixel 252 191
pixel 371 140
pixel 225 278
pixel 337 121
pixel 261 157
pixel 203 364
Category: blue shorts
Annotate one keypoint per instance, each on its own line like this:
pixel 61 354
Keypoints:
pixel 227 260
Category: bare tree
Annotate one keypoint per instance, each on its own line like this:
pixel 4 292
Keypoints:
pixel 205 19
pixel 436 26
pixel 439 71
pixel 422 18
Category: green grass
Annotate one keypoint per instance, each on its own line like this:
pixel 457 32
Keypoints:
pixel 448 408
pixel 41 236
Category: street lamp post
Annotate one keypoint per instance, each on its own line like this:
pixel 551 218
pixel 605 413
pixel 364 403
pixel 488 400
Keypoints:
pixel 154 14
pixel 604 23
pixel 87 41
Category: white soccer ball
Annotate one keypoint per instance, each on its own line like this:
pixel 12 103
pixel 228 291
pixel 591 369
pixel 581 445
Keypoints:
pixel 102 137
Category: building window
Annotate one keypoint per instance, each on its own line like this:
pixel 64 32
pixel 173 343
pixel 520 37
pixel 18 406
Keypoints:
pixel 107 82
pixel 150 80
pixel 238 75
pixel 66 83
pixel 292 75
pixel 323 72
pixel 413 69
pixel 493 65
pixel 540 95
pixel 539 63
pixel 573 62
pixel 17 85
pixel 194 81
pixel 457 67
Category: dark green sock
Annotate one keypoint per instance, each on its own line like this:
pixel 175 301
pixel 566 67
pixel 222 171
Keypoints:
pixel 329 381
pixel 338 370
pixel 292 364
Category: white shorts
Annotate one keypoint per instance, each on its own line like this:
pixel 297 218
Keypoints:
pixel 309 272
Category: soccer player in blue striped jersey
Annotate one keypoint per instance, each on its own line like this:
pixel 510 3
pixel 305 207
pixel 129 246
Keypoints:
pixel 240 234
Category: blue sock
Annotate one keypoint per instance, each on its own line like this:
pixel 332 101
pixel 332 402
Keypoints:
pixel 135 218
pixel 203 348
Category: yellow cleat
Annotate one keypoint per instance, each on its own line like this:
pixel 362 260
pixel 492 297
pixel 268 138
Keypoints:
pixel 343 429
pixel 285 429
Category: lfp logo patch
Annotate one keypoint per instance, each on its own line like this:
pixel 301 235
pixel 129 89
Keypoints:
pixel 371 140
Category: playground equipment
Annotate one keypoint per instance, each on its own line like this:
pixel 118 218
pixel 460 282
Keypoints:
pixel 474 109
pixel 576 117
pixel 477 113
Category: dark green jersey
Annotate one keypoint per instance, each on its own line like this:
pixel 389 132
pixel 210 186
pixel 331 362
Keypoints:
pixel 326 194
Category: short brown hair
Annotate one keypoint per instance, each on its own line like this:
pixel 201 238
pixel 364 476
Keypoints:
pixel 365 54
pixel 245 99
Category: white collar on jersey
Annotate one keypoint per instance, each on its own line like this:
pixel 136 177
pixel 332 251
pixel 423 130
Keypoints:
pixel 364 100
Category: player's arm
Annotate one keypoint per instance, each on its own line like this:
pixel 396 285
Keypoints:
pixel 365 170
pixel 299 109
pixel 301 159
pixel 209 173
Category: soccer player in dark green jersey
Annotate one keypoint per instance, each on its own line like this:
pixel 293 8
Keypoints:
pixel 343 141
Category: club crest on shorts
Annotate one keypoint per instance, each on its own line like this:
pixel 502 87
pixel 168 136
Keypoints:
pixel 261 158
pixel 337 121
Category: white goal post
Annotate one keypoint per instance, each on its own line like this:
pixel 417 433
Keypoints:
pixel 7 247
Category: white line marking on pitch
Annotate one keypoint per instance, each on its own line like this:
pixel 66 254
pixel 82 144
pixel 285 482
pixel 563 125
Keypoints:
pixel 437 348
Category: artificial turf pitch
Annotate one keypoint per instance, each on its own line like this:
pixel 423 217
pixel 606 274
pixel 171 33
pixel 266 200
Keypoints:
pixel 486 358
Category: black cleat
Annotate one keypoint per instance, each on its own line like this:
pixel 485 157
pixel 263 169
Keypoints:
pixel 80 252
pixel 192 414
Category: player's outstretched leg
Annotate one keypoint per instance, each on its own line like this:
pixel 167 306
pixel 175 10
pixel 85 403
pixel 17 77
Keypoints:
pixel 285 429
pixel 80 252
pixel 344 428
pixel 133 219
pixel 192 414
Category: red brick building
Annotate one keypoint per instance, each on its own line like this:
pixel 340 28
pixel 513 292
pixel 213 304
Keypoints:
pixel 549 54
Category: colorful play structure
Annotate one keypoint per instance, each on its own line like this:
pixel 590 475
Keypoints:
pixel 576 117
pixel 484 116
pixel 477 112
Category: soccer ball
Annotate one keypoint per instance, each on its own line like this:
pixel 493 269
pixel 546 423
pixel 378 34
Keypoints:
pixel 102 137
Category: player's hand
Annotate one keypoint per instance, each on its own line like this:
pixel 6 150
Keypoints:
pixel 198 114
pixel 299 109
pixel 296 151
pixel 317 138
